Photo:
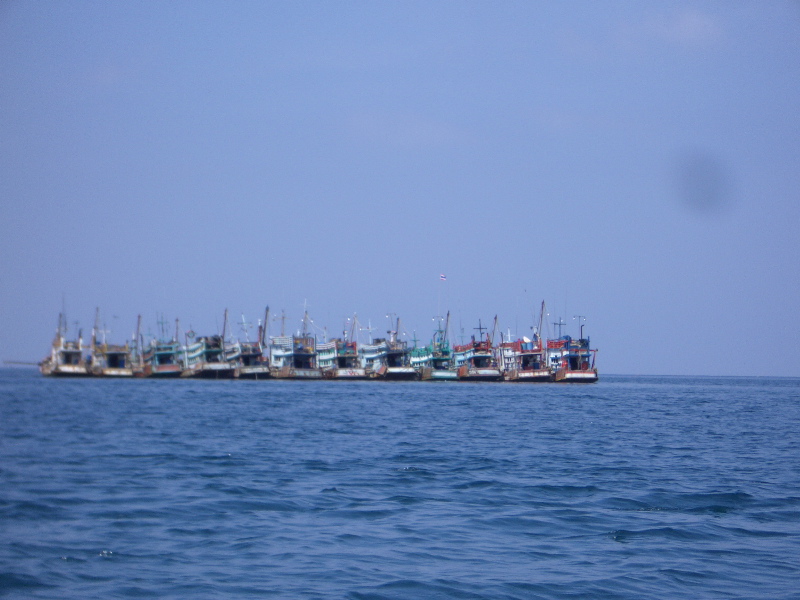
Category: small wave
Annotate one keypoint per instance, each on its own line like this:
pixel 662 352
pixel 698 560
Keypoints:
pixel 666 533
pixel 566 490
pixel 416 472
pixel 406 500
pixel 365 514
pixel 19 581
pixel 759 533
pixel 413 589
pixel 255 506
pixel 477 484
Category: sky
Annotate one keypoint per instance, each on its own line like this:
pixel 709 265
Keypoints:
pixel 634 165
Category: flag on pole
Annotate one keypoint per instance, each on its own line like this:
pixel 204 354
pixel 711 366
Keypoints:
pixel 442 277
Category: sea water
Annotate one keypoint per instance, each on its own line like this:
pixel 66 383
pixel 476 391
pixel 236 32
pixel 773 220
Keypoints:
pixel 634 487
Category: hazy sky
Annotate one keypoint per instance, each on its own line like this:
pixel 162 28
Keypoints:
pixel 634 162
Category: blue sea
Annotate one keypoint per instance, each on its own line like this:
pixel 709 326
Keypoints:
pixel 631 488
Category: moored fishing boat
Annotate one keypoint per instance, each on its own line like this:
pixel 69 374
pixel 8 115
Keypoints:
pixel 109 360
pixel 66 357
pixel 248 357
pixel 434 362
pixel 524 360
pixel 338 359
pixel 249 361
pixel 294 356
pixel 205 358
pixel 161 358
pixel 388 359
pixel 475 361
pixel 574 360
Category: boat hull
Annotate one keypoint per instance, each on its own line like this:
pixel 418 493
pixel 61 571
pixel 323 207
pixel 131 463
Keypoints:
pixel 532 376
pixel 160 371
pixel 396 373
pixel 64 370
pixel 429 374
pixel 113 372
pixel 252 372
pixel 346 373
pixel 564 376
pixel 209 371
pixel 479 374
pixel 293 373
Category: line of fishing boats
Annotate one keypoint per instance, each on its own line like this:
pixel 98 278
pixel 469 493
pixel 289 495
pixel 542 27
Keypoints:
pixel 303 356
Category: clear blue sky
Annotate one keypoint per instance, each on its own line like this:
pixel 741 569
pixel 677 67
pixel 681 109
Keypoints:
pixel 634 162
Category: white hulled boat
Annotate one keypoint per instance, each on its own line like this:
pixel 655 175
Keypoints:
pixel 66 357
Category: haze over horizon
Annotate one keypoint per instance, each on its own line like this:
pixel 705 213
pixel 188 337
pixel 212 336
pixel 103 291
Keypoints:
pixel 634 163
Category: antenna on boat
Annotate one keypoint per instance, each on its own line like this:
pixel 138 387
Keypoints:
pixel 139 341
pixel 368 329
pixel 245 327
pixel 494 329
pixel 353 325
pixel 392 332
pixel 480 328
pixel 96 326
pixel 224 325
pixel 560 323
pixel 580 318
pixel 162 325
pixel 305 316
pixel 283 322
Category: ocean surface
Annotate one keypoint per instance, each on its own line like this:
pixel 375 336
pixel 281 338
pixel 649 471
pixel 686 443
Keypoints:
pixel 634 487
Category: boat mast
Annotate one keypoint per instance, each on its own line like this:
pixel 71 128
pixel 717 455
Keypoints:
pixel 580 319
pixel 353 326
pixel 139 348
pixel 94 329
pixel 369 329
pixel 480 329
pixel 541 323
pixel 264 333
pixel 560 323
pixel 245 326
